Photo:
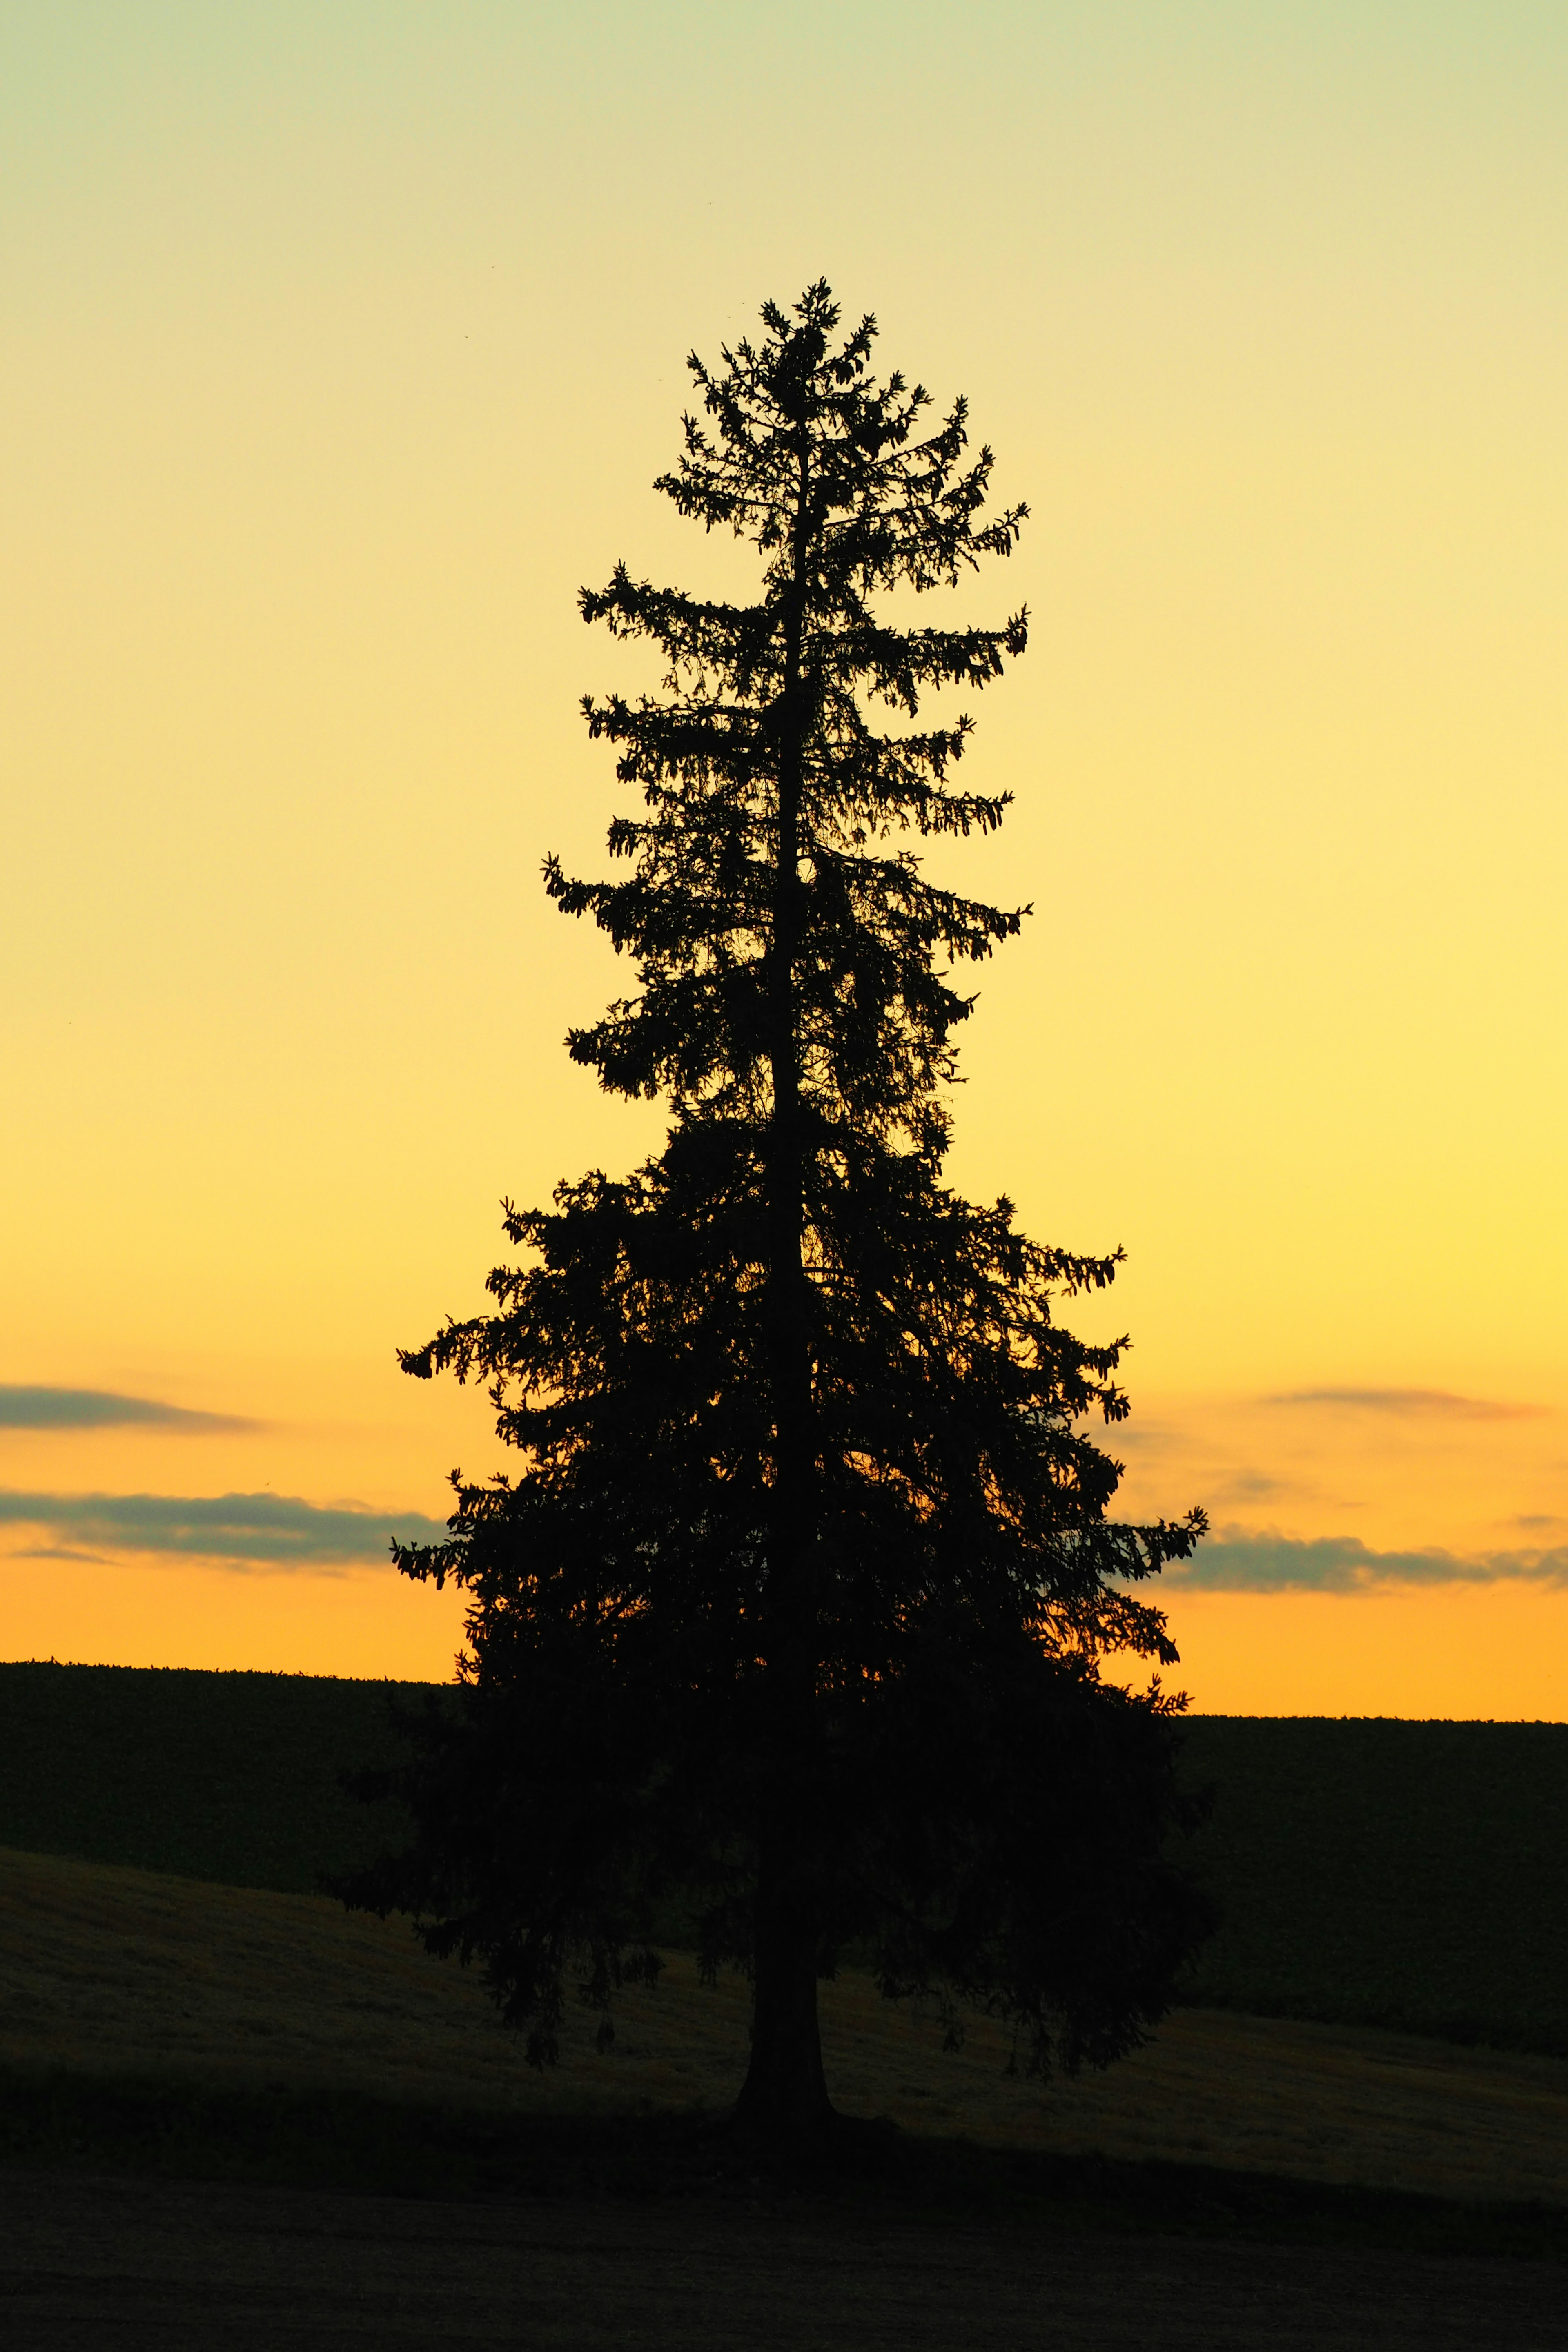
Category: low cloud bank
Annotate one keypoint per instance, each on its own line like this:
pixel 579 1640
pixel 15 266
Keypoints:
pixel 1237 1560
pixel 236 1531
pixel 34 1408
pixel 283 1531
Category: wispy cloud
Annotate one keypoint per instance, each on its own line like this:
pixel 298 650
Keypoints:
pixel 1239 1560
pixel 1248 1486
pixel 34 1408
pixel 1438 1403
pixel 237 1530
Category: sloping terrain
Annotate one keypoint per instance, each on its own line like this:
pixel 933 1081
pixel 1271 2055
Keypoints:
pixel 113 1971
pixel 1406 1875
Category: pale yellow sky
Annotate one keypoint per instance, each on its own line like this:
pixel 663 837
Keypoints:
pixel 343 345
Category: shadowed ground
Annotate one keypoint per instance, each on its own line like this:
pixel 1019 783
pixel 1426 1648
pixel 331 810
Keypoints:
pixel 144 2264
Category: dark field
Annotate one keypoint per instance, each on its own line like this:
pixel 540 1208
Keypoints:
pixel 230 2110
pixel 1406 1875
pixel 138 2265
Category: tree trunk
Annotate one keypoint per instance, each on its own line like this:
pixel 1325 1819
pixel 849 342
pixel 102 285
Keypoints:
pixel 786 2092
pixel 784 2095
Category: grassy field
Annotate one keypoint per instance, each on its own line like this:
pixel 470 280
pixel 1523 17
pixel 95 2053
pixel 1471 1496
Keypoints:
pixel 167 1985
pixel 179 2059
pixel 1411 1876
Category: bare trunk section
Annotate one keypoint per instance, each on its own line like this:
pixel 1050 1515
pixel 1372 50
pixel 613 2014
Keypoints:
pixel 786 2092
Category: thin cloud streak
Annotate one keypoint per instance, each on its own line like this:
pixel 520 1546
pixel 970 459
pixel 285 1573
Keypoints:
pixel 1241 1560
pixel 240 1531
pixel 40 1408
pixel 1438 1402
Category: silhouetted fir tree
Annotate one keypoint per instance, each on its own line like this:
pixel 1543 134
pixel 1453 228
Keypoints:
pixel 792 1617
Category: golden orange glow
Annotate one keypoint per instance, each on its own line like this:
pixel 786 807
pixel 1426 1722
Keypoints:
pixel 1497 1651
pixel 128 1611
pixel 348 341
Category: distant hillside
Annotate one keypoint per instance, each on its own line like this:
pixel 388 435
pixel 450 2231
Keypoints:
pixel 1412 1876
pixel 230 1777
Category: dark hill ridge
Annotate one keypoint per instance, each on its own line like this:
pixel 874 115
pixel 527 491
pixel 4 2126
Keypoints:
pixel 229 1777
pixel 1413 1875
pixel 1373 1872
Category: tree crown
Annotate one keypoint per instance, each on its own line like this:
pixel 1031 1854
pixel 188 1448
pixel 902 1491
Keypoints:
pixel 758 759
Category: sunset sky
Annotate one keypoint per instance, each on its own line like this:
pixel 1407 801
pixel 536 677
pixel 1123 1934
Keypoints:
pixel 342 342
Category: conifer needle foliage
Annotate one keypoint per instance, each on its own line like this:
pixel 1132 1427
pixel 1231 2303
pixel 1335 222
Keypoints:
pixel 786 1634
